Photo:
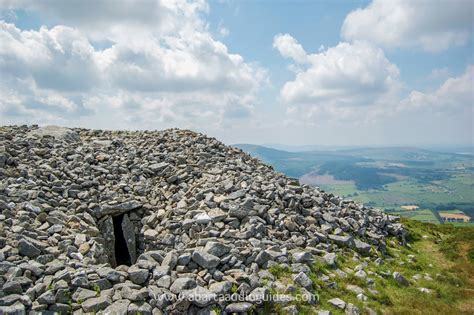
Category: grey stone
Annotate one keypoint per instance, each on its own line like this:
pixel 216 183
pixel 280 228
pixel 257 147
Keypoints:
pixel 11 299
pixel 220 288
pixel 351 309
pixel 161 271
pixel 12 287
pixel 63 296
pixel 96 304
pixel 170 260
pixel 199 296
pixel 354 288
pixel 129 234
pixel 303 280
pixel 263 257
pixel 134 295
pixel 258 295
pixel 47 298
pixel 360 274
pixel 182 284
pixel 16 309
pixel 157 167
pixel 341 240
pixel 117 208
pixel 309 297
pixel 337 302
pixel 239 307
pixel 205 260
pixel 184 259
pixel 119 307
pixel 137 275
pixel 82 294
pixel 139 308
pixel 164 282
pixel 111 274
pixel 401 280
pixel 362 247
pixel 302 257
pixel 26 248
pixel 216 248
pixel 202 218
pixel 330 259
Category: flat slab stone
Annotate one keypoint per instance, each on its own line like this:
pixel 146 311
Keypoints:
pixel 118 208
pixel 337 302
pixel 240 307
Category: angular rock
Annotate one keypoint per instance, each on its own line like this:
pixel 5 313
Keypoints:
pixel 182 284
pixel 96 304
pixel 26 248
pixel 303 280
pixel 199 296
pixel 82 294
pixel 117 208
pixel 216 248
pixel 119 307
pixel 341 240
pixel 337 302
pixel 302 257
pixel 362 247
pixel 239 307
pixel 401 280
pixel 16 309
pixel 137 275
pixel 205 260
pixel 330 259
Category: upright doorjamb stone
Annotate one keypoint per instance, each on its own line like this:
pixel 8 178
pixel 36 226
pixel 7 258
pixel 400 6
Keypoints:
pixel 129 235
pixel 107 228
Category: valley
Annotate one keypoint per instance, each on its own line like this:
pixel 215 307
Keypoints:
pixel 425 185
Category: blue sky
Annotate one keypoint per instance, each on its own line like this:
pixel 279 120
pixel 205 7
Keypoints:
pixel 291 72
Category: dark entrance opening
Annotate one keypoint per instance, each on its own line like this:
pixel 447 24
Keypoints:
pixel 122 256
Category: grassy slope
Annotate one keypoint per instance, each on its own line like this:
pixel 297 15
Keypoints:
pixel 443 253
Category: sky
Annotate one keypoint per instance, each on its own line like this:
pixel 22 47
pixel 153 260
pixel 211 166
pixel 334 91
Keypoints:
pixel 385 73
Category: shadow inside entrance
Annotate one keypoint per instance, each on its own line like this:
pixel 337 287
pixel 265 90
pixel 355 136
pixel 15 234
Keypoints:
pixel 122 255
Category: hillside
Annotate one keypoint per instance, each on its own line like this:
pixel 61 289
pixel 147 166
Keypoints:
pixel 431 184
pixel 175 222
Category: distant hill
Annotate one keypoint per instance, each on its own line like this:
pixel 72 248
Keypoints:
pixel 385 177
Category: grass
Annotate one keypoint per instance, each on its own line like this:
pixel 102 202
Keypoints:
pixel 442 256
pixel 444 253
pixel 279 270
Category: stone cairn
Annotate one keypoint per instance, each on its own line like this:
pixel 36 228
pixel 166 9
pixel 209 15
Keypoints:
pixel 162 222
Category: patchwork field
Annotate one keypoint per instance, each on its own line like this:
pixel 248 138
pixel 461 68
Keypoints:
pixel 414 183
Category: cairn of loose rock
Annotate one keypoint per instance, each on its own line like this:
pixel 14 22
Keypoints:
pixel 121 222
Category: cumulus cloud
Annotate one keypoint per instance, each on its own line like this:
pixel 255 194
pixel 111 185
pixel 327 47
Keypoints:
pixel 290 48
pixel 442 115
pixel 161 68
pixel 454 94
pixel 430 25
pixel 348 74
pixel 354 89
pixel 58 59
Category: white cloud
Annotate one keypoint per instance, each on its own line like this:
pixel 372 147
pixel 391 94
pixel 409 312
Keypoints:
pixel 58 59
pixel 118 21
pixel 454 94
pixel 431 25
pixel 290 48
pixel 345 75
pixel 352 92
pixel 162 68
